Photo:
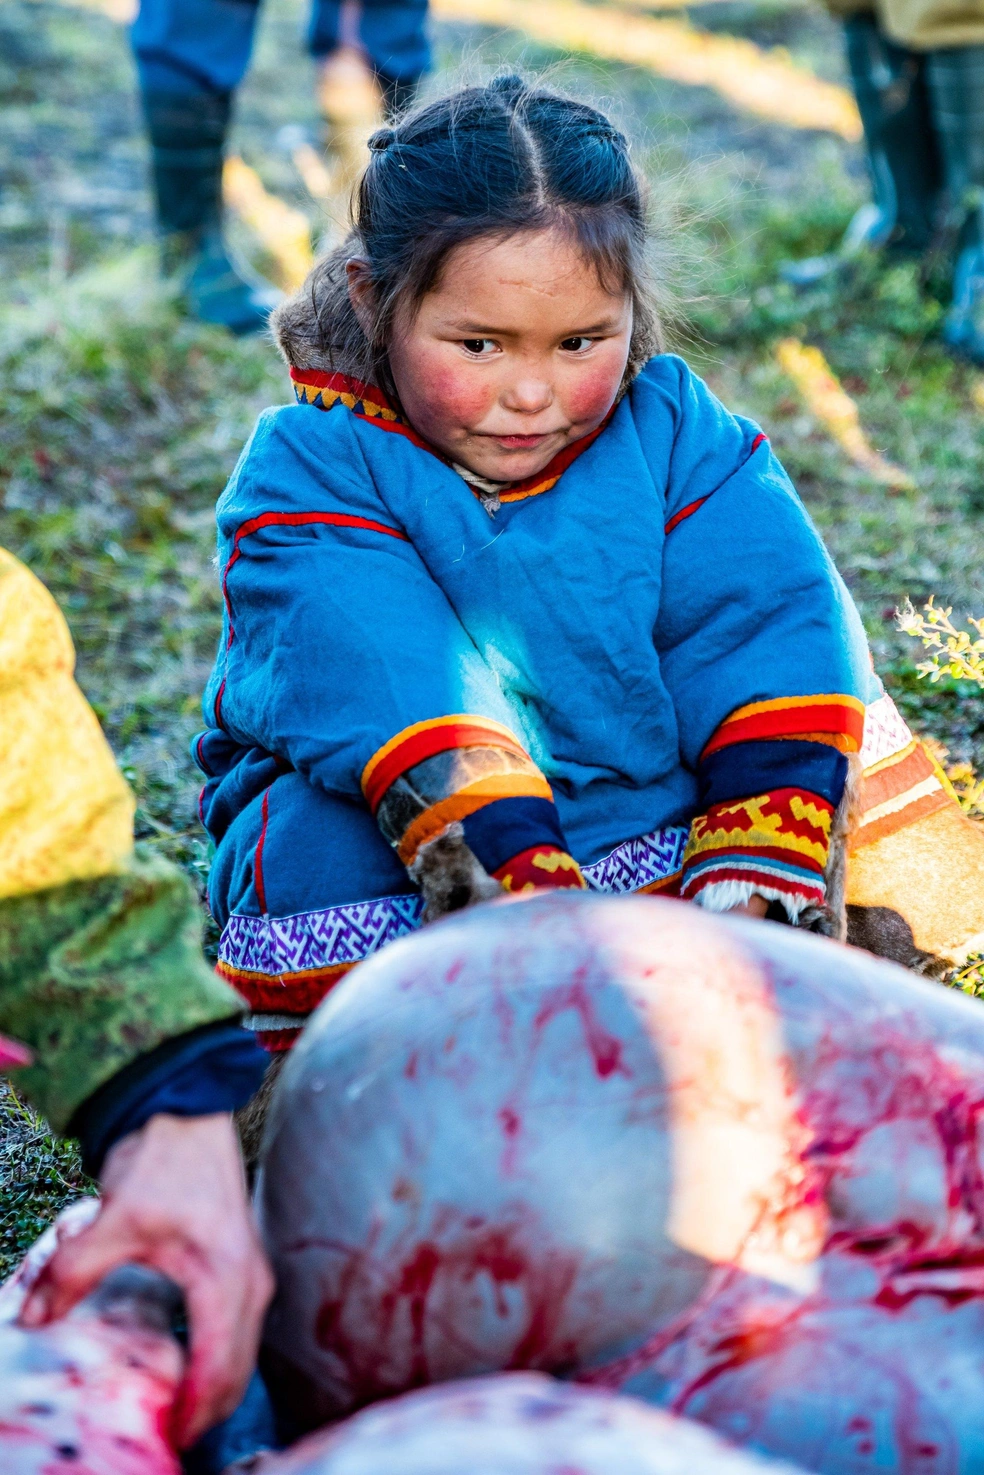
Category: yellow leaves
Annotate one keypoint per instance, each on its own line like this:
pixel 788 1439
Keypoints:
pixel 824 397
pixel 285 233
pixel 954 651
pixel 768 84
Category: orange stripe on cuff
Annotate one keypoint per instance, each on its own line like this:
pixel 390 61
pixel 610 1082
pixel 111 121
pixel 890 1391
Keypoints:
pixel 425 740
pixel 435 820
pixel 813 718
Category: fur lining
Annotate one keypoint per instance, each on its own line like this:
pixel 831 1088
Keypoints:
pixel 450 875
pixel 722 896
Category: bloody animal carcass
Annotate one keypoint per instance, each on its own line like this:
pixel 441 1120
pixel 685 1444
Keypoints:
pixel 514 1424
pixel 91 1394
pixel 731 1168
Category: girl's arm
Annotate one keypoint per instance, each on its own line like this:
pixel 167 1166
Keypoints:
pixel 344 659
pixel 765 658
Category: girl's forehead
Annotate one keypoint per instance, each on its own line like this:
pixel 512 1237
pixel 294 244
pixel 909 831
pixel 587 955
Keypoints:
pixel 542 264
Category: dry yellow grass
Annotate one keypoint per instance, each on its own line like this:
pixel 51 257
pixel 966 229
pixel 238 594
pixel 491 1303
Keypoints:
pixel 824 397
pixel 284 233
pixel 766 83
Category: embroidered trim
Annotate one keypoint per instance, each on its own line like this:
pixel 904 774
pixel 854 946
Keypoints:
pixel 426 739
pixel 288 964
pixel 318 387
pixel 284 966
pixel 692 507
pixel 646 863
pixel 540 867
pixel 885 731
pixel 778 841
pixel 832 718
pixel 727 890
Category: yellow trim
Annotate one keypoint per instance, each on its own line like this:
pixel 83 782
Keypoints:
pixel 414 728
pixel 778 704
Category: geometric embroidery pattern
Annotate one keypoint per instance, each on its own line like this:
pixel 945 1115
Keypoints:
pixel 343 935
pixel 640 862
pixel 312 940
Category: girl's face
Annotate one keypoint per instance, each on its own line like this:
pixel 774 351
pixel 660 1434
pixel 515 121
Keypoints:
pixel 517 352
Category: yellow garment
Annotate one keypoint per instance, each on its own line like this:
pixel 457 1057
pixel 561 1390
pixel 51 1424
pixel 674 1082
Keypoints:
pixel 66 813
pixel 932 873
pixel 922 24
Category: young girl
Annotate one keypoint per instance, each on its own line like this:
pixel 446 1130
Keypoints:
pixel 512 601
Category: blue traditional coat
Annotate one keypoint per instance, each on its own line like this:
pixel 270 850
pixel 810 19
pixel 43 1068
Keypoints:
pixel 644 663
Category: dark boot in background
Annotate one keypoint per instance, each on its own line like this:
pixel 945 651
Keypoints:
pixel 956 85
pixel 890 86
pixel 187 134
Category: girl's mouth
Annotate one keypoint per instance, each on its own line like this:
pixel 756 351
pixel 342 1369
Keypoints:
pixel 520 442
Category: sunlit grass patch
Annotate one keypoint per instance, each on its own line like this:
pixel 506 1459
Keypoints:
pixel 768 84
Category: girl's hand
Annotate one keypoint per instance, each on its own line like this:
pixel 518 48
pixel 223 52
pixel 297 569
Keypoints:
pixel 174 1198
pixel 755 906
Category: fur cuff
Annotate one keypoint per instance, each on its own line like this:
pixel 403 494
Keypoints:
pixel 450 875
pixel 723 896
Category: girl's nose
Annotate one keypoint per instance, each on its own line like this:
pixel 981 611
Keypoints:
pixel 528 395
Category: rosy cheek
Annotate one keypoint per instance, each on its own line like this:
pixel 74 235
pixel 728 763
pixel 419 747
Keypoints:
pixel 590 392
pixel 445 394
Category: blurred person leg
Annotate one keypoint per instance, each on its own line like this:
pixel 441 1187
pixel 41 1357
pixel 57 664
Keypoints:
pixel 371 54
pixel 191 55
pixel 956 79
pixel 890 86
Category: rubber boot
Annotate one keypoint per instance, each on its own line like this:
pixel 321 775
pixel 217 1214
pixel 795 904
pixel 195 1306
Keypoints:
pixel 956 83
pixel 352 105
pixel 890 86
pixel 187 134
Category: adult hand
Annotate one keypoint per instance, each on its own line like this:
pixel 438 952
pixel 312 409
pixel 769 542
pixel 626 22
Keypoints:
pixel 174 1198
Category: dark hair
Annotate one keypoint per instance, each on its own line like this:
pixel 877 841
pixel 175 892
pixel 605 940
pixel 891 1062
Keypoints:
pixel 485 161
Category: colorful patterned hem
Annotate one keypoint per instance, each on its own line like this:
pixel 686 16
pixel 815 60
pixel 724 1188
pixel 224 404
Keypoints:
pixel 647 863
pixel 901 782
pixel 288 964
pixel 720 885
pixel 284 966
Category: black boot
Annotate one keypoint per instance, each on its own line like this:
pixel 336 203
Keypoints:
pixel 892 97
pixel 956 83
pixel 187 133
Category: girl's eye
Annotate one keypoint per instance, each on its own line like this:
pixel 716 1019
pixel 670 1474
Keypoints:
pixel 481 347
pixel 576 345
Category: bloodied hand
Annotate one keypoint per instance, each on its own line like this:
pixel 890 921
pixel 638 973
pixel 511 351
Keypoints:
pixel 174 1198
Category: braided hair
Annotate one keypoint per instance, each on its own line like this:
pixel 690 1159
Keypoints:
pixel 483 162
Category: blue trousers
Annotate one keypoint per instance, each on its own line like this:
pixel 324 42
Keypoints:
pixel 189 46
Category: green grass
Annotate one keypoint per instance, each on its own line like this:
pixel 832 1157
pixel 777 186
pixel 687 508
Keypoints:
pixel 120 421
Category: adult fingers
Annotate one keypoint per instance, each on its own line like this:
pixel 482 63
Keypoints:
pixel 224 1321
pixel 78 1265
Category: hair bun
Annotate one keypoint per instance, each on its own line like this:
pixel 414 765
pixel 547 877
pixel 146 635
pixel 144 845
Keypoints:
pixel 509 88
pixel 381 140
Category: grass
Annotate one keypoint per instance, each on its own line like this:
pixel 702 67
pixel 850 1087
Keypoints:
pixel 121 421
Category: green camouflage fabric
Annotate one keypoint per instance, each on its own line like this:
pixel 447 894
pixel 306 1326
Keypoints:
pixel 95 973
